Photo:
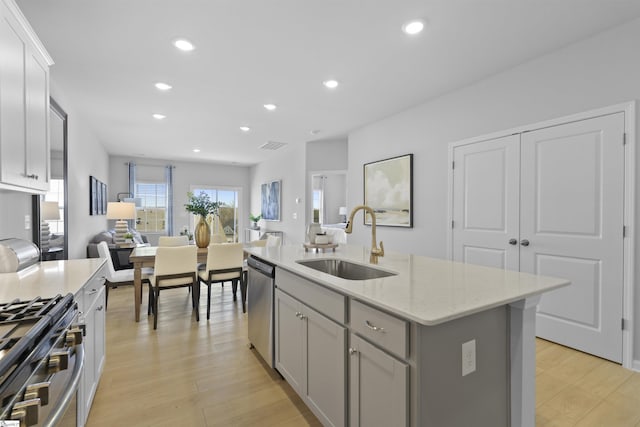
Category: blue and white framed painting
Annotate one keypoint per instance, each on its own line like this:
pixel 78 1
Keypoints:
pixel 271 192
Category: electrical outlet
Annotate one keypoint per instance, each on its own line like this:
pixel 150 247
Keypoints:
pixel 468 357
pixel 27 222
pixel 295 215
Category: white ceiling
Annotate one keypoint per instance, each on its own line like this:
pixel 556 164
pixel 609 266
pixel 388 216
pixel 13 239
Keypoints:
pixel 108 54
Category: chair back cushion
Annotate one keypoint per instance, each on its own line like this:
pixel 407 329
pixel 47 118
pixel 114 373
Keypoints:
pixel 175 260
pixel 273 240
pixel 223 256
pixel 173 241
pixel 103 251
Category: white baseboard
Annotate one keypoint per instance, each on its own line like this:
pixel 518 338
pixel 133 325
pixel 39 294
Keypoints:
pixel 636 365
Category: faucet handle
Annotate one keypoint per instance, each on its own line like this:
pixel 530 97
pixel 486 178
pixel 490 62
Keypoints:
pixel 381 253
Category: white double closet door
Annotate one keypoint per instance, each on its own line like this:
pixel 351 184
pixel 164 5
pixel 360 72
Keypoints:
pixel 551 202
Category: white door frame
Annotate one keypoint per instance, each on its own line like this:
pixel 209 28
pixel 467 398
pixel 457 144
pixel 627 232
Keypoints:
pixel 629 110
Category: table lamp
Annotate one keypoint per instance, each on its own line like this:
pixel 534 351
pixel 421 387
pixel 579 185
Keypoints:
pixel 121 211
pixel 342 211
pixel 49 211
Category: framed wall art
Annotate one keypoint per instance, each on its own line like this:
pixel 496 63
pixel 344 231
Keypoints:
pixel 270 200
pixel 93 195
pixel 388 190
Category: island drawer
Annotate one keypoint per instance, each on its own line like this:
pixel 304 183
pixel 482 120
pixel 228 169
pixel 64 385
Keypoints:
pixel 385 330
pixel 327 302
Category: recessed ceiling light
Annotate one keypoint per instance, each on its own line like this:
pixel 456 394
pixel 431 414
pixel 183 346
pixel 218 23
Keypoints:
pixel 196 150
pixel 413 27
pixel 245 128
pixel 314 131
pixel 184 45
pixel 270 107
pixel 159 116
pixel 163 86
pixel 331 84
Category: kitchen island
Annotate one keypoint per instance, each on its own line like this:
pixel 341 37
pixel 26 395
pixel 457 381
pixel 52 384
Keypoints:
pixel 437 343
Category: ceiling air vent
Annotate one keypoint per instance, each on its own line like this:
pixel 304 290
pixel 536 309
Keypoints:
pixel 272 145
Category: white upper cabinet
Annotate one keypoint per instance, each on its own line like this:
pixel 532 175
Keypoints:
pixel 24 104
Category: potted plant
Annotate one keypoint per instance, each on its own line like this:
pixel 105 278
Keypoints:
pixel 254 219
pixel 202 205
pixel 128 237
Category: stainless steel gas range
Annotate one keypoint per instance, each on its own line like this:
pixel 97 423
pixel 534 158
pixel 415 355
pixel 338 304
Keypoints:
pixel 41 360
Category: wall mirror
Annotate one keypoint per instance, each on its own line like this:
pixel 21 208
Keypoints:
pixel 329 198
pixel 50 228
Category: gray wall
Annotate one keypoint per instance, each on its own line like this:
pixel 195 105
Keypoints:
pixel 590 74
pixel 87 157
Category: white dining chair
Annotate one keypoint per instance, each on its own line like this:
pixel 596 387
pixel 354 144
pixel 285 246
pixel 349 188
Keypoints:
pixel 167 241
pixel 224 263
pixel 175 267
pixel 118 277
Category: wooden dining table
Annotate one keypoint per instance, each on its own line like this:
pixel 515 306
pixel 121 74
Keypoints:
pixel 146 257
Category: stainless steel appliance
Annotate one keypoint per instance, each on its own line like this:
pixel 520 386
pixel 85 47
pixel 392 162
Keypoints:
pixel 260 290
pixel 16 254
pixel 41 361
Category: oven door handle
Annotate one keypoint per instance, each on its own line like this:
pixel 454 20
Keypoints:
pixel 58 412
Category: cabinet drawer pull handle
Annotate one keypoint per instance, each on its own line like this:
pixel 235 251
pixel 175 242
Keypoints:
pixel 513 241
pixel 99 308
pixel 524 242
pixel 92 291
pixel 298 314
pixel 373 327
pixel 352 351
pixel 302 316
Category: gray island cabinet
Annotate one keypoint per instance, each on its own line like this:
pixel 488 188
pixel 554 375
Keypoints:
pixel 438 343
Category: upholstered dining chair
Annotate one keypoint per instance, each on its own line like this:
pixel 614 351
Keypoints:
pixel 173 241
pixel 175 267
pixel 224 263
pixel 118 277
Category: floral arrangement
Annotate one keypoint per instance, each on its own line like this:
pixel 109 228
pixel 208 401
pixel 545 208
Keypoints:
pixel 185 232
pixel 202 204
pixel 255 218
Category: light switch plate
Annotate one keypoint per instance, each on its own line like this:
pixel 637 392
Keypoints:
pixel 27 222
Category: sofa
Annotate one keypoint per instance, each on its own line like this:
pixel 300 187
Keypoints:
pixel 108 236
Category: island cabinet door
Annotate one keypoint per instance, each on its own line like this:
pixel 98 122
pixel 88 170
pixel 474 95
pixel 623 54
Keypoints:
pixel 379 387
pixel 288 339
pixel 324 356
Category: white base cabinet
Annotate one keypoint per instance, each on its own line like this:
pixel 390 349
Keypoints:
pixel 310 355
pixel 91 301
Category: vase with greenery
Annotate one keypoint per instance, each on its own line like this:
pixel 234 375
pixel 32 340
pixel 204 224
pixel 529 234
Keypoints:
pixel 202 205
pixel 254 219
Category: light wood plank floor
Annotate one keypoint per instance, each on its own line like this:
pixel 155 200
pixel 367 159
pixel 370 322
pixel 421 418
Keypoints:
pixel 203 374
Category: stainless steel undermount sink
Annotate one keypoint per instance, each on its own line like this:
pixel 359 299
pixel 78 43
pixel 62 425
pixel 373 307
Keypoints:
pixel 345 269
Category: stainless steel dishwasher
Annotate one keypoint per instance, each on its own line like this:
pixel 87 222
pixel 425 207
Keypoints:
pixel 260 290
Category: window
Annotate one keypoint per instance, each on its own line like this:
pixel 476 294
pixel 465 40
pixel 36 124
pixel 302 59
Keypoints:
pixel 151 216
pixel 56 194
pixel 228 212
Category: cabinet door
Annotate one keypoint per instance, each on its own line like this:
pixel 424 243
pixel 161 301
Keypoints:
pixel 288 339
pixel 324 364
pixel 37 136
pixel 379 387
pixel 12 101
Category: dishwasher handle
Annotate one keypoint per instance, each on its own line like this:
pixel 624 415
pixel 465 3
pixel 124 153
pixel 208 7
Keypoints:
pixel 262 267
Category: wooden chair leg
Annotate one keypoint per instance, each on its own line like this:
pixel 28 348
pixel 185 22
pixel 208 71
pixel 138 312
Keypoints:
pixel 156 297
pixel 243 292
pixel 195 295
pixel 234 288
pixel 208 300
pixel 106 295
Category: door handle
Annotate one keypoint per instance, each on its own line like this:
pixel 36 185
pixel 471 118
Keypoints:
pixel 524 242
pixel 513 241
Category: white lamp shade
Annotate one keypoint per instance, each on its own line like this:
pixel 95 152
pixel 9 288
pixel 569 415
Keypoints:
pixel 121 210
pixel 342 210
pixel 49 211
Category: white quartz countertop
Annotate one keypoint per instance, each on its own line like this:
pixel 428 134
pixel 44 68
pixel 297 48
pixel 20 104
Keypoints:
pixel 426 290
pixel 48 279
